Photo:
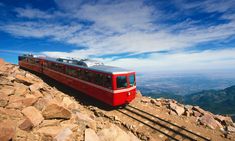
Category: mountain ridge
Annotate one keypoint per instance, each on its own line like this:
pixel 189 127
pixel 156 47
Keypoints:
pixel 211 100
pixel 214 100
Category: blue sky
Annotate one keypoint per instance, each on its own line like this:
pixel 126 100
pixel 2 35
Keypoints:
pixel 143 35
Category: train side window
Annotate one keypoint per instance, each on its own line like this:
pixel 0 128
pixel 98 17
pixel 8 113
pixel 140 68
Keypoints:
pixel 107 82
pixel 37 62
pixel 86 77
pixel 60 68
pixel 90 76
pixel 45 64
pixel 83 75
pixel 31 61
pixel 121 81
pixel 100 79
pixel 52 66
pixel 79 73
pixel 132 80
pixel 96 78
pixel 71 72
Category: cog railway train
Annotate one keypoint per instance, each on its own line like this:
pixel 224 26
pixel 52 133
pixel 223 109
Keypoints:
pixel 111 85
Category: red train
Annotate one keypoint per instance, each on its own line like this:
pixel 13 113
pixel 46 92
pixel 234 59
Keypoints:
pixel 111 85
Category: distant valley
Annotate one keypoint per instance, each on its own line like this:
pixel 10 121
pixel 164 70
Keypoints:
pixel 184 83
pixel 215 94
pixel 216 101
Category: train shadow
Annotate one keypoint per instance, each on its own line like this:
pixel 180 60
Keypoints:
pixel 79 96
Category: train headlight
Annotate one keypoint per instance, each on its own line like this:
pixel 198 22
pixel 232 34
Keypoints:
pixel 129 94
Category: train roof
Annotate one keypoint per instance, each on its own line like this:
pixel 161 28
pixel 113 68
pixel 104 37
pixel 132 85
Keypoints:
pixel 85 63
pixel 110 69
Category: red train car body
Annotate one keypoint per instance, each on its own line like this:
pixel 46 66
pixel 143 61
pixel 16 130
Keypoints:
pixel 111 85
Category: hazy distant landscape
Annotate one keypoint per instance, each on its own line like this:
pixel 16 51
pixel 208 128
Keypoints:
pixel 184 83
pixel 214 92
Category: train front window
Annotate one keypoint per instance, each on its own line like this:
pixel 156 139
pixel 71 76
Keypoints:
pixel 21 58
pixel 132 80
pixel 121 82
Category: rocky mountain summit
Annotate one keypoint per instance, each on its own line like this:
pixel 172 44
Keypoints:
pixel 31 109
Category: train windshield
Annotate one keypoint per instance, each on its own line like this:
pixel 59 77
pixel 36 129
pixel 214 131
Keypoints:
pixel 121 82
pixel 22 58
pixel 132 80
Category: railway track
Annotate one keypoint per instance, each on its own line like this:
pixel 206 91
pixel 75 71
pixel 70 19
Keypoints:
pixel 165 129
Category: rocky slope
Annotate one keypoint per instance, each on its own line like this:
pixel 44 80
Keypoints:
pixel 30 109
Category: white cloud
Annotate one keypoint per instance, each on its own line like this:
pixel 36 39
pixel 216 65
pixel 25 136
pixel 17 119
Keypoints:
pixel 41 30
pixel 32 13
pixel 219 6
pixel 120 17
pixel 206 5
pixel 116 31
pixel 13 51
pixel 180 61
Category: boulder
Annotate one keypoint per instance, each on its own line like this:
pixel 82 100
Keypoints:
pixel 22 79
pixel 209 121
pixel 35 86
pixel 114 133
pixel 18 102
pixel 50 123
pixel 3 100
pixel 11 113
pixel 7 130
pixel 10 78
pixel 70 125
pixel 32 77
pixel 15 102
pixel 172 113
pixel 156 102
pixel 187 114
pixel 84 119
pixel 144 100
pixel 198 109
pixel 63 135
pixel 73 107
pixel 29 101
pixel 33 115
pixel 224 119
pixel 4 81
pixel 7 90
pixel 20 89
pixel 26 125
pixel 41 103
pixel 21 135
pixel 56 111
pixel 188 107
pixel 67 101
pixel 163 101
pixel 37 94
pixel 90 135
pixel 188 110
pixel 176 108
pixel 50 131
pixel 231 129
pixel 196 114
